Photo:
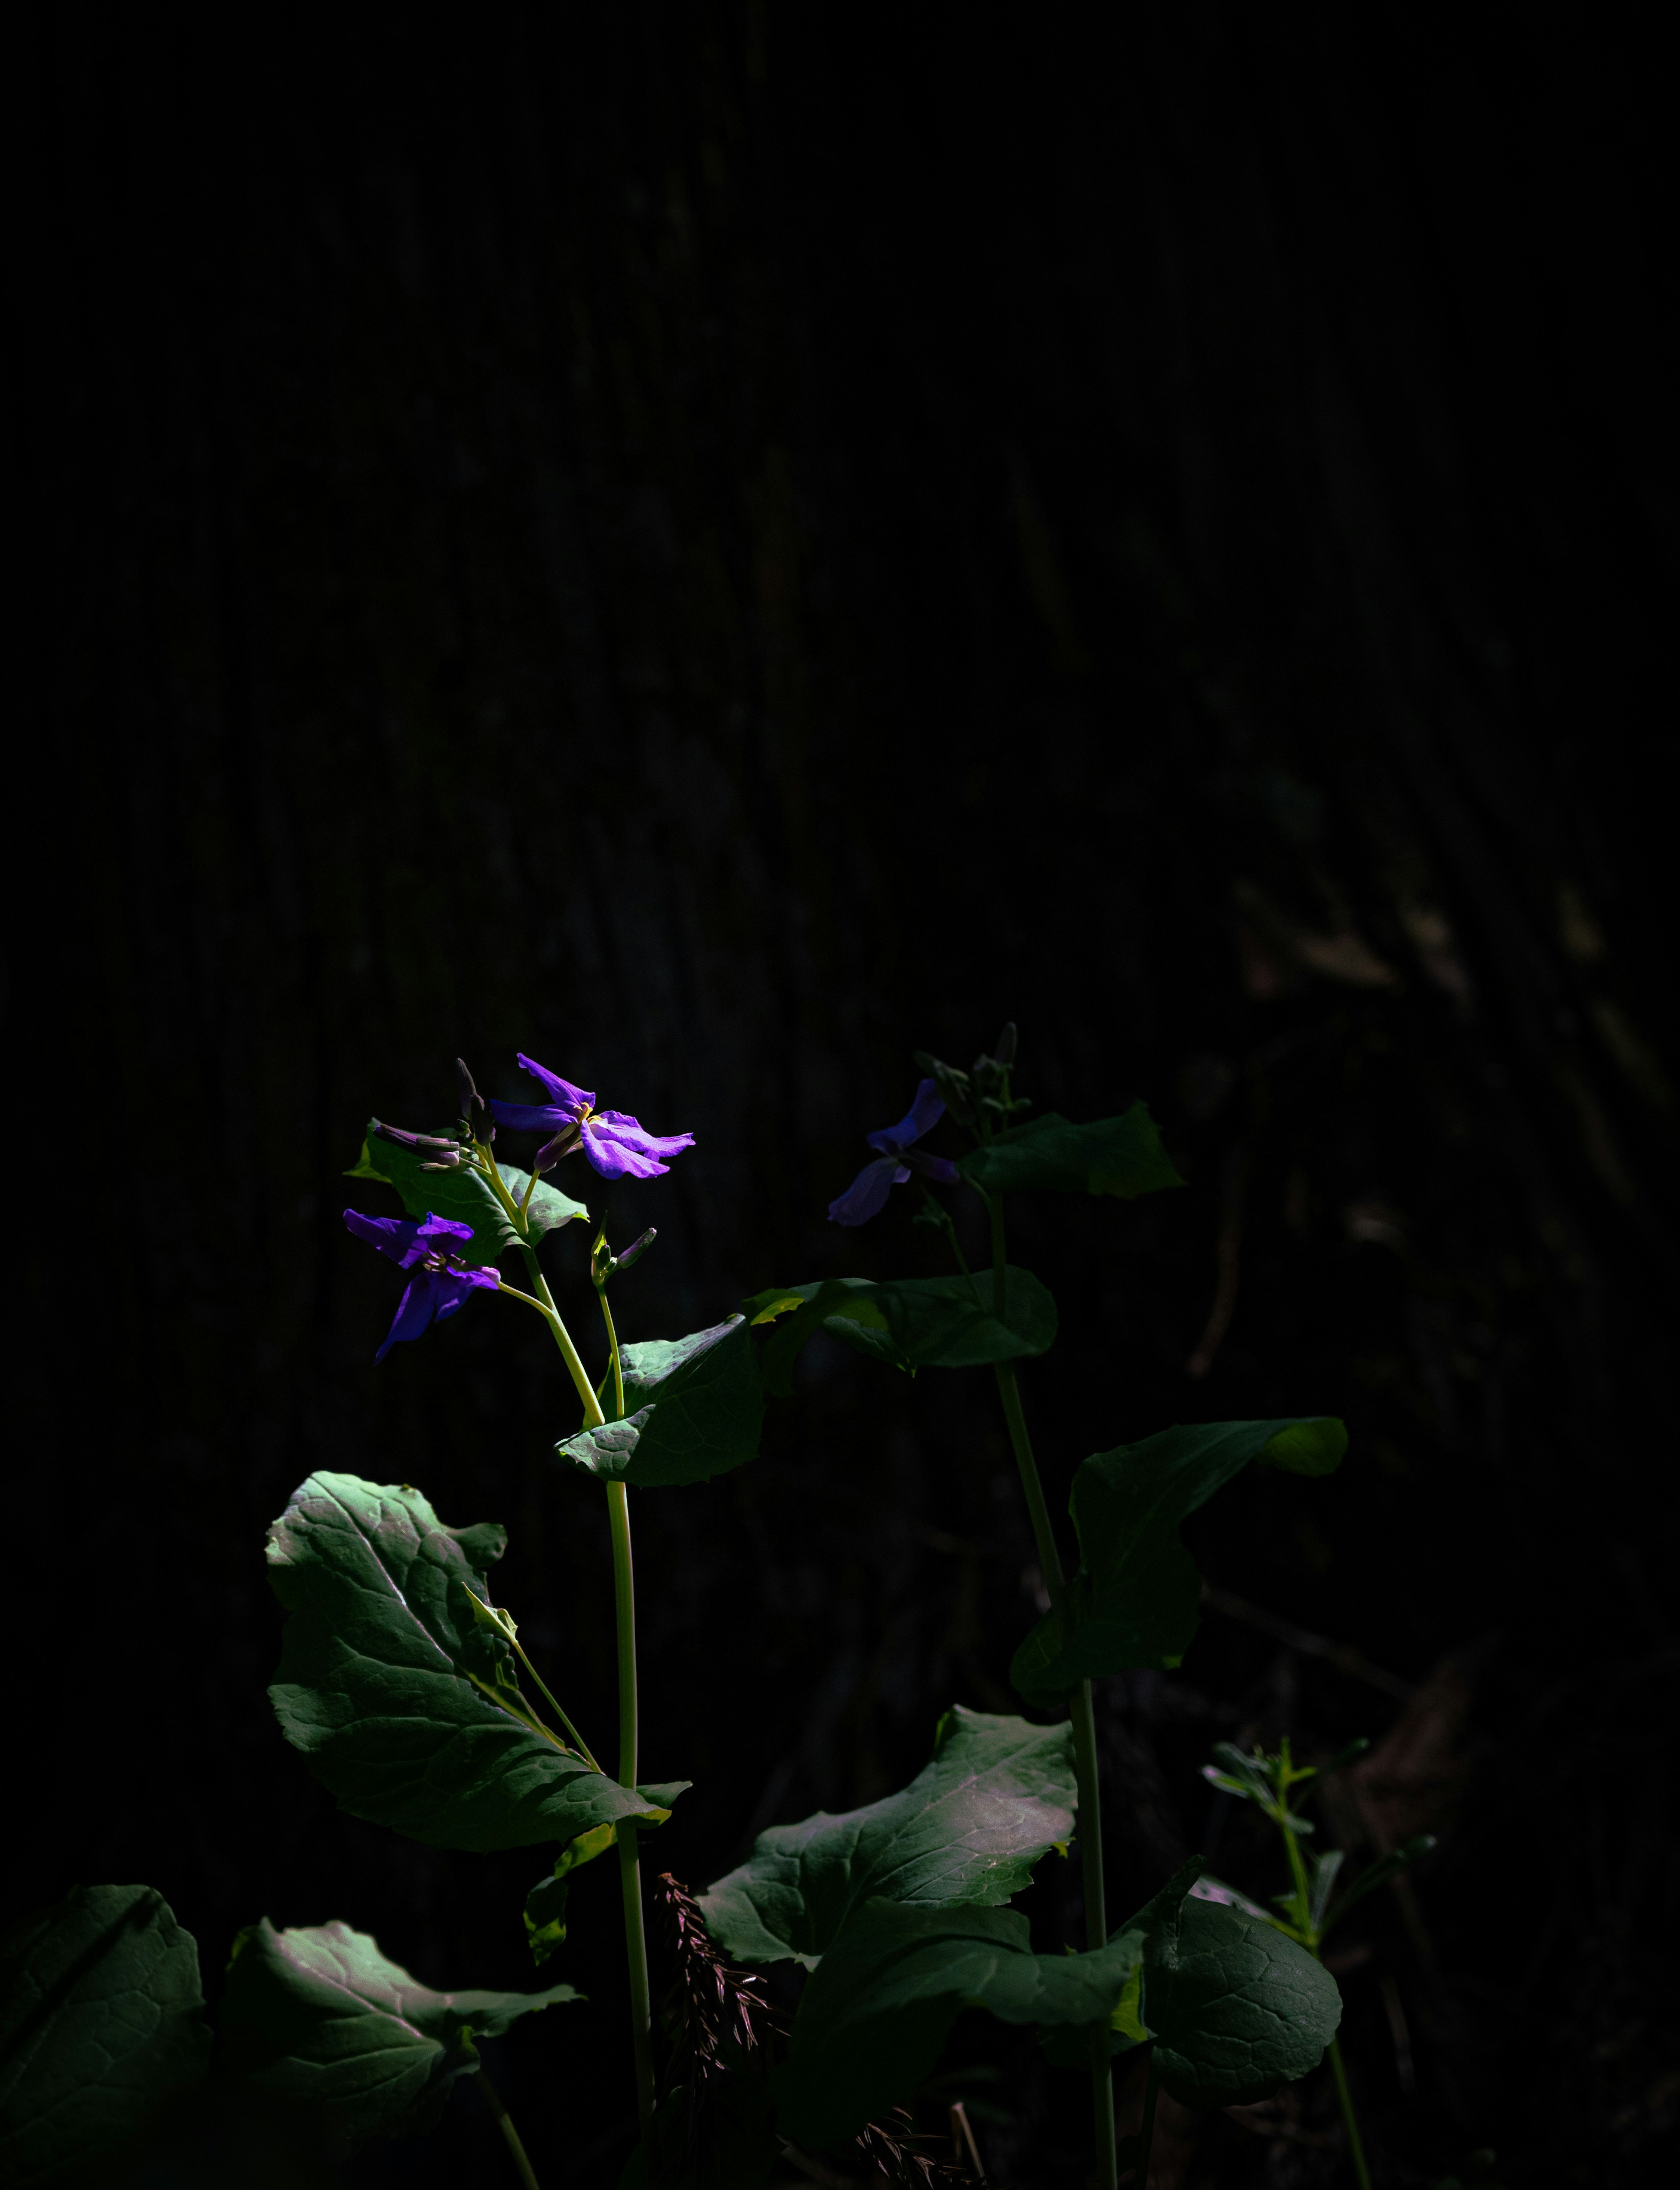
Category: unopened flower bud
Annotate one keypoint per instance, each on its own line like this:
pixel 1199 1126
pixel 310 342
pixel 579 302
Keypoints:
pixel 636 1247
pixel 563 1144
pixel 1005 1050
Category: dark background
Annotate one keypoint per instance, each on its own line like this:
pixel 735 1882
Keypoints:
pixel 717 545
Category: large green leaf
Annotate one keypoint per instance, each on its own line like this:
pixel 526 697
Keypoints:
pixel 384 1674
pixel 1119 1155
pixel 875 2012
pixel 693 1408
pixel 1134 1601
pixel 101 2025
pixel 463 1194
pixel 320 2021
pixel 998 1793
pixel 911 1322
pixel 1234 2007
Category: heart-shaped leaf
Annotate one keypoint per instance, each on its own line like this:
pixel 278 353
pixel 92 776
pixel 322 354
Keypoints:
pixel 910 1323
pixel 323 2023
pixel 101 2025
pixel 1119 1155
pixel 998 1794
pixel 1135 1599
pixel 693 1408
pixel 464 1194
pixel 875 2013
pixel 386 1678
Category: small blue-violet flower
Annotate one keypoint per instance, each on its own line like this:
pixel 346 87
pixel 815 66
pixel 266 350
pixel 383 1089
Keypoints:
pixel 866 1196
pixel 615 1145
pixel 440 1284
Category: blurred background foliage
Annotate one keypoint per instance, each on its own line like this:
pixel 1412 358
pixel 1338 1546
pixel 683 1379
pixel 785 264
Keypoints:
pixel 718 545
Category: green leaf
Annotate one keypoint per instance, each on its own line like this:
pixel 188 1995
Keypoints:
pixel 322 2021
pixel 1135 1600
pixel 101 2025
pixel 693 1408
pixel 465 1196
pixel 876 2011
pixel 998 1794
pixel 380 1675
pixel 910 1323
pixel 1236 2008
pixel 1119 1155
pixel 545 1909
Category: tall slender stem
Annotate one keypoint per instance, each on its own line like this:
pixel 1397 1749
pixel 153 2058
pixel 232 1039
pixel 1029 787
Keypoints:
pixel 624 1608
pixel 629 1861
pixel 1146 2133
pixel 504 2122
pixel 1309 1937
pixel 1344 2099
pixel 1086 1771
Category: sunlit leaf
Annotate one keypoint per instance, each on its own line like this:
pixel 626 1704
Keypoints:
pixel 464 1195
pixel 386 1678
pixel 997 1796
pixel 693 1408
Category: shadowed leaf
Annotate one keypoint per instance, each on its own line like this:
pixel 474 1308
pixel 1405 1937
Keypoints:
pixel 1135 1600
pixel 319 2020
pixel 910 1323
pixel 101 2026
pixel 875 2013
pixel 1049 1154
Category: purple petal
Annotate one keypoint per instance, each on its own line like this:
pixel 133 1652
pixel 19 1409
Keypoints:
pixel 615 1159
pixel 575 1100
pixel 415 1310
pixel 629 1134
pixel 457 1287
pixel 391 1236
pixel 530 1117
pixel 866 1196
pixel 939 1167
pixel 923 1116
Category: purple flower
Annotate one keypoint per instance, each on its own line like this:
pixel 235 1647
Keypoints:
pixel 866 1196
pixel 615 1145
pixel 440 1283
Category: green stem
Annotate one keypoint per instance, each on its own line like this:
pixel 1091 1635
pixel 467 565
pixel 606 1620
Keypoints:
pixel 504 2122
pixel 629 1867
pixel 1096 1922
pixel 612 1343
pixel 1146 2134
pixel 1086 1771
pixel 1310 1940
pixel 624 1607
pixel 1344 2099
pixel 577 1740
pixel 592 1416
